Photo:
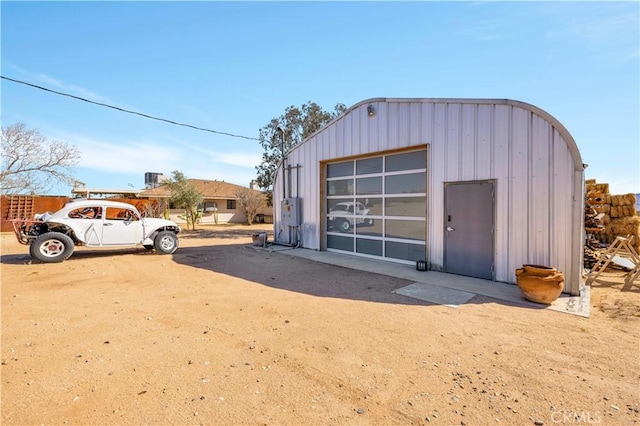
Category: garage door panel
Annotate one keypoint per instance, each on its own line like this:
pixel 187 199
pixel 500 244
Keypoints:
pixel 405 229
pixel 405 206
pixel 377 206
pixel 410 183
pixel 404 251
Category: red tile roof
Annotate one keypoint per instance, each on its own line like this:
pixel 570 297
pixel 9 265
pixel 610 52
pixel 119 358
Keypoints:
pixel 208 188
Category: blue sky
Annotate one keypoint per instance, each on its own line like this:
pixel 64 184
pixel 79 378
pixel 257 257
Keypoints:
pixel 233 66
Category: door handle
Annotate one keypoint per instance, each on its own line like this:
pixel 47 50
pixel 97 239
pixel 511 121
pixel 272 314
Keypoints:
pixel 107 224
pixel 450 229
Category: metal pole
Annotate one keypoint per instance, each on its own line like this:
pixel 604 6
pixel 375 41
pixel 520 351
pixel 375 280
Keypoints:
pixel 284 162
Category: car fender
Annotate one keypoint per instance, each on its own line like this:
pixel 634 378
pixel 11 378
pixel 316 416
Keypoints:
pixel 154 225
pixel 76 233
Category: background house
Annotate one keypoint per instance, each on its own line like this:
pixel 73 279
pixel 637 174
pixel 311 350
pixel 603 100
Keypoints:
pixel 218 195
pixel 219 199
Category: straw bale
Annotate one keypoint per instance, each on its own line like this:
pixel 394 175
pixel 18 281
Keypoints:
pixel 616 212
pixel 590 182
pixel 623 200
pixel 595 197
pixel 601 208
pixel 593 201
pixel 622 211
pixel 602 187
pixel 623 227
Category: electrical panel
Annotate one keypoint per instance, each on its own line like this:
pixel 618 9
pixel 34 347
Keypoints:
pixel 291 214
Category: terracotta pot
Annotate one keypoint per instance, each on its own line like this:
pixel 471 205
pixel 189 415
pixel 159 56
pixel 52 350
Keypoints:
pixel 540 284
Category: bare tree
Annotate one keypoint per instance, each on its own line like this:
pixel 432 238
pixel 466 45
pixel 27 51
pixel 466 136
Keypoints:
pixel 31 163
pixel 250 202
pixel 157 208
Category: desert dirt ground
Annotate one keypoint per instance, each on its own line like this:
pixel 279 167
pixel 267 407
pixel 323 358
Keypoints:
pixel 222 333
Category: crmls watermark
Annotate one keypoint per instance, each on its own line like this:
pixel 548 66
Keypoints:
pixel 576 417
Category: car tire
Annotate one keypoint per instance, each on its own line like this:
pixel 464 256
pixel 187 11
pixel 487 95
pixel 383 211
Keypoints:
pixel 369 222
pixel 51 247
pixel 344 225
pixel 166 242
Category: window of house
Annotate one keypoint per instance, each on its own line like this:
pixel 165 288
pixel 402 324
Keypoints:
pixel 231 204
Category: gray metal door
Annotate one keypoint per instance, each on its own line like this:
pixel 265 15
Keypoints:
pixel 468 234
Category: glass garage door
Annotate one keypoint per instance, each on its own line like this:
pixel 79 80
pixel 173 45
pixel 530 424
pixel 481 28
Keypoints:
pixel 377 206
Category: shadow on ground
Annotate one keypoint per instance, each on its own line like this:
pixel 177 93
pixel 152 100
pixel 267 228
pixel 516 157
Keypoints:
pixel 629 285
pixel 282 271
pixel 232 233
pixel 25 259
pixel 292 273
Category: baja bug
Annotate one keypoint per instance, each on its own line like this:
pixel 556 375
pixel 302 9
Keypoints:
pixel 94 223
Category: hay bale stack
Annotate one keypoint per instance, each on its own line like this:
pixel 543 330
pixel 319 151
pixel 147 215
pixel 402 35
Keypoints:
pixel 623 205
pixel 625 227
pixel 623 200
pixel 622 211
pixel 629 225
pixel 619 214
pixel 600 187
pixel 602 208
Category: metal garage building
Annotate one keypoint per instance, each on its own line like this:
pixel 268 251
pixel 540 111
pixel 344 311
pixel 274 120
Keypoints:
pixel 475 187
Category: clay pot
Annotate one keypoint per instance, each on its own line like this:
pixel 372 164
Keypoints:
pixel 540 284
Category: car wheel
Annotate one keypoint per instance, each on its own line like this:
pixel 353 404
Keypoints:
pixel 369 222
pixel 166 242
pixel 51 247
pixel 344 225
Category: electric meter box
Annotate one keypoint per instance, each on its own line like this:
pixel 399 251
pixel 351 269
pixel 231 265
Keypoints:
pixel 291 214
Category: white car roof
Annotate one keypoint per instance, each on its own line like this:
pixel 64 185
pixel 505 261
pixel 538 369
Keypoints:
pixel 72 205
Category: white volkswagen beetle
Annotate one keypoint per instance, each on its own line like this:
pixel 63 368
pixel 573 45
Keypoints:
pixel 346 215
pixel 94 223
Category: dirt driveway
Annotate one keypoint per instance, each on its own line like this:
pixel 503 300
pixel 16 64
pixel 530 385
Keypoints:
pixel 221 333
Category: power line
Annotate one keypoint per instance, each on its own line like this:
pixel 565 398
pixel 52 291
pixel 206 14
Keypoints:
pixel 128 111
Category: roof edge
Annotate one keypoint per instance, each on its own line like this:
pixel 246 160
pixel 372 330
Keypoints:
pixel 571 143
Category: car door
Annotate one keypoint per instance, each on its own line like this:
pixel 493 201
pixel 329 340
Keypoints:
pixel 122 226
pixel 359 213
pixel 87 221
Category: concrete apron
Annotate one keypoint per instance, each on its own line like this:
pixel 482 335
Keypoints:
pixel 441 288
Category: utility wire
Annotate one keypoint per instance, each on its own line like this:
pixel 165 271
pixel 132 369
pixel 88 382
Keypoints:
pixel 128 111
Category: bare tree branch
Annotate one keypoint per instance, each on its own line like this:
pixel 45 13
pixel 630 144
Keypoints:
pixel 250 202
pixel 31 163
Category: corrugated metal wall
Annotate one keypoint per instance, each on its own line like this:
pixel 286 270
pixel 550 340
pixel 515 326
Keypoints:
pixel 531 156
